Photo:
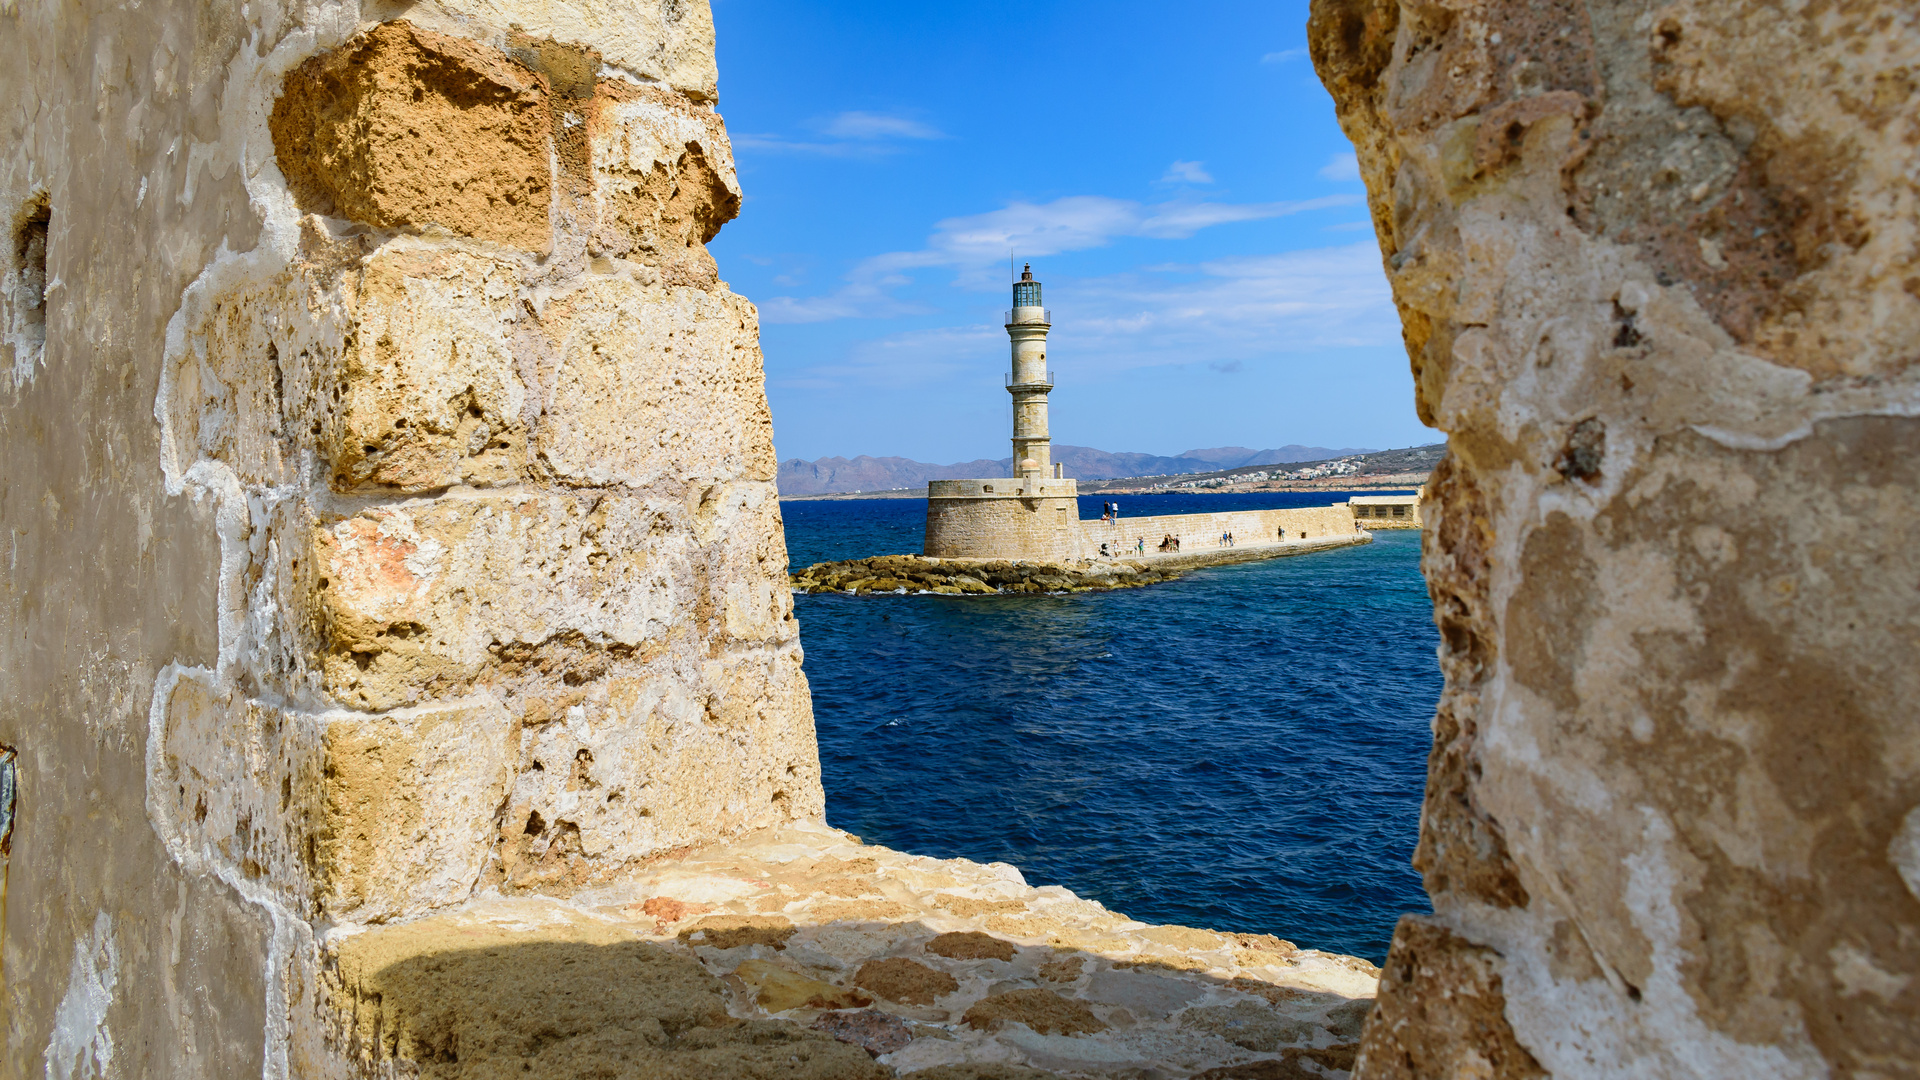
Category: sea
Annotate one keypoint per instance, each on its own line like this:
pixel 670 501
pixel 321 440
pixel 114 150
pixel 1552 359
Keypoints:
pixel 1242 749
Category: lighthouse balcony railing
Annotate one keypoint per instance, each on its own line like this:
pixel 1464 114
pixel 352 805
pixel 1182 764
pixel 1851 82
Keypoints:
pixel 1012 384
pixel 1045 319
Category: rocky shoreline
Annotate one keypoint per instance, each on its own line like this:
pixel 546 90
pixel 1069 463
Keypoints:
pixel 910 574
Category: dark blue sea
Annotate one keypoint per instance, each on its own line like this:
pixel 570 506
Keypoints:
pixel 1242 749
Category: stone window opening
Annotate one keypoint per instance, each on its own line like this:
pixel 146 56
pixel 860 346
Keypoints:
pixel 32 228
pixel 7 777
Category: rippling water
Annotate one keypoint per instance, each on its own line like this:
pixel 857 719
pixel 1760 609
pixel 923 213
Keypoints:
pixel 1242 749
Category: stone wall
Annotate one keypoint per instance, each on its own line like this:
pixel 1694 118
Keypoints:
pixel 1044 528
pixel 1657 265
pixel 1198 532
pixel 965 522
pixel 389 507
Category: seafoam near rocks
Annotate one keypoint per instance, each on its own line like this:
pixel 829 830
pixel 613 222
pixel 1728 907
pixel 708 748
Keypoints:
pixel 1657 267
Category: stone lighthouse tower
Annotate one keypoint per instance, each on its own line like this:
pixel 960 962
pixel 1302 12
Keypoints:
pixel 1033 514
pixel 1029 380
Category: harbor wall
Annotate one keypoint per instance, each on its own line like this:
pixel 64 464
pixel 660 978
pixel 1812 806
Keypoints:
pixel 1202 531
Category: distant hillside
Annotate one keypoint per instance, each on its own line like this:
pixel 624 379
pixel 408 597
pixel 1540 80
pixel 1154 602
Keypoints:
pixel 863 473
pixel 1406 467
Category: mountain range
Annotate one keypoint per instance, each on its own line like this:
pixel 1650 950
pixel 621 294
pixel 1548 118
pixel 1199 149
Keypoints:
pixel 829 475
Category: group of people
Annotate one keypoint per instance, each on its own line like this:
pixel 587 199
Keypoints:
pixel 1110 511
pixel 1170 543
pixel 1226 539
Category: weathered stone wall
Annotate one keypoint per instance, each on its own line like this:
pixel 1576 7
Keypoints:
pixel 389 507
pixel 1657 269
pixel 1202 531
pixel 1045 528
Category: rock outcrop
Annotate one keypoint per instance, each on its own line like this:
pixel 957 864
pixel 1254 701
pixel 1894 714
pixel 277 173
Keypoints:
pixel 1657 269
pixel 912 574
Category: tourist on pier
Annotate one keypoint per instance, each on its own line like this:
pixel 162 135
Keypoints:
pixel 1140 544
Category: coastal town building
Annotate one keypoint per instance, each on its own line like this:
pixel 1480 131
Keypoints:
pixel 1035 513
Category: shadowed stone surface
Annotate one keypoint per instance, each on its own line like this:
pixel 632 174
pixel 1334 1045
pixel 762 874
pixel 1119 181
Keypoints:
pixel 697 1006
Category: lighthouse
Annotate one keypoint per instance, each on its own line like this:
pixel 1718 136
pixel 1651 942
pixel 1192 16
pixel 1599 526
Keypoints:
pixel 1035 513
pixel 1029 381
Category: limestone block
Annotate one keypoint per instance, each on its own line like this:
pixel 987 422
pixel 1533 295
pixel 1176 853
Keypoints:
pixel 747 562
pixel 351 816
pixel 663 173
pixel 669 41
pixel 428 392
pixel 405 128
pixel 643 763
pixel 258 364
pixel 414 600
pixel 652 382
pixel 410 800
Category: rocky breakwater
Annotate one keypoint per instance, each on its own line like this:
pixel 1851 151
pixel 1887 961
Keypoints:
pixel 911 574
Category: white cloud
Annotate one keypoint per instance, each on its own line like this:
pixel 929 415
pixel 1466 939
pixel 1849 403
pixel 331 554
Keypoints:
pixel 1341 167
pixel 974 245
pixel 1228 313
pixel 910 359
pixel 1187 172
pixel 1282 56
pixel 848 134
pixel 1242 308
pixel 866 125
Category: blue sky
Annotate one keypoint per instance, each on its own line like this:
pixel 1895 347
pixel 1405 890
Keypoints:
pixel 1175 175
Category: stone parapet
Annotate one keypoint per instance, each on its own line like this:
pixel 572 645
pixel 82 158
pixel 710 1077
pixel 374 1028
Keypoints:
pixel 1003 488
pixel 801 952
